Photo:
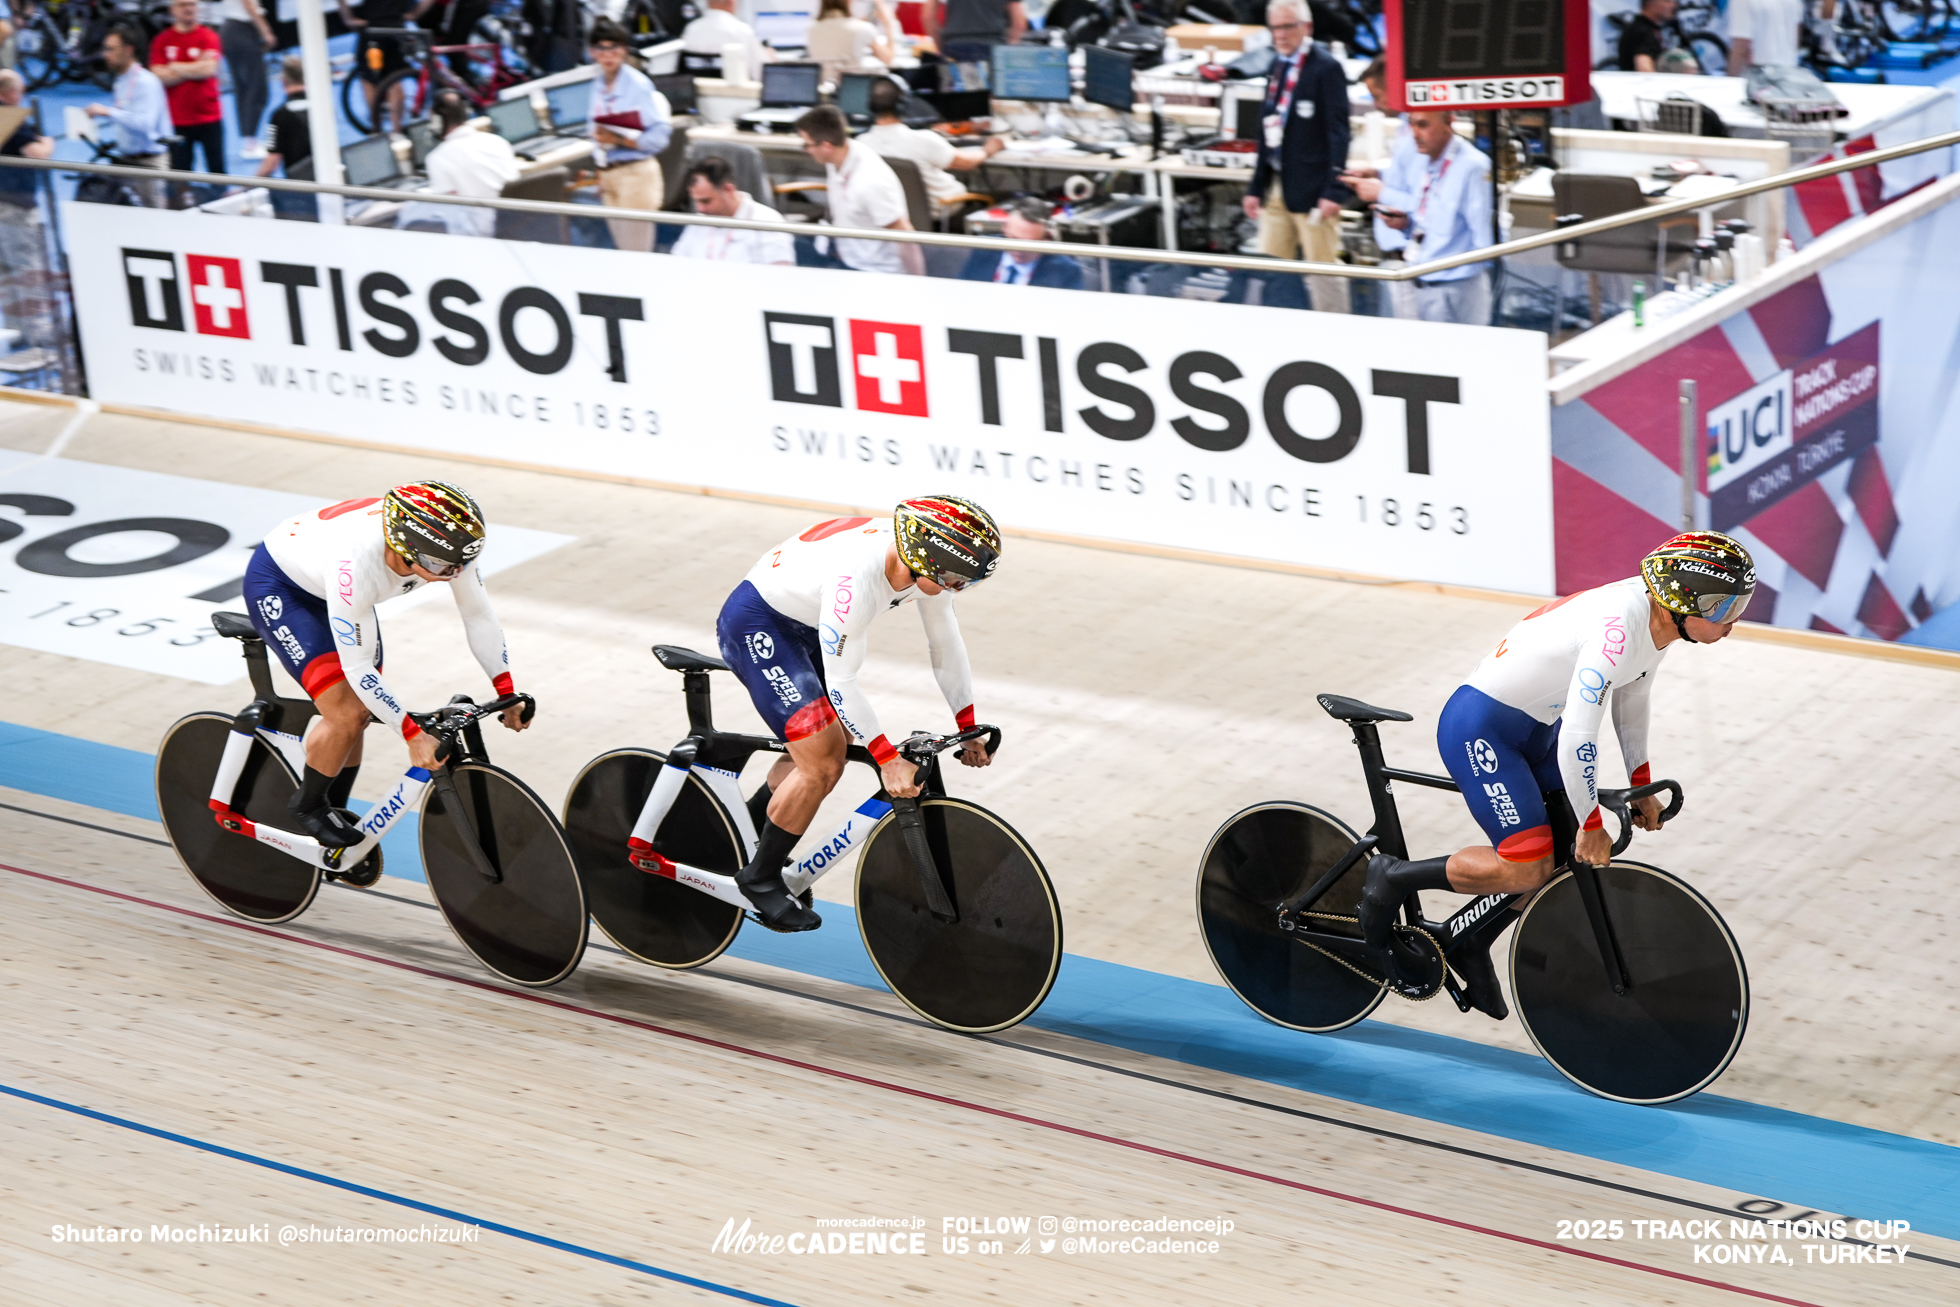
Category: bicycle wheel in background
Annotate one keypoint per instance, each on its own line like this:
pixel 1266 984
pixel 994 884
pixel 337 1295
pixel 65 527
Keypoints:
pixel 354 99
pixel 1259 859
pixel 1914 20
pixel 38 51
pixel 1710 51
pixel 993 967
pixel 655 919
pixel 1680 1022
pixel 253 880
pixel 529 927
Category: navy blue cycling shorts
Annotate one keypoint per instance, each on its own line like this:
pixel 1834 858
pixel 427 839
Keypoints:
pixel 779 662
pixel 1505 761
pixel 294 625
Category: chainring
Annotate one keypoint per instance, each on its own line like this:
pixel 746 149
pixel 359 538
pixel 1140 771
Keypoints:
pixel 1413 938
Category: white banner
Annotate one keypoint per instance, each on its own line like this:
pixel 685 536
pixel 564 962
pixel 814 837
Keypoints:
pixel 122 566
pixel 1404 449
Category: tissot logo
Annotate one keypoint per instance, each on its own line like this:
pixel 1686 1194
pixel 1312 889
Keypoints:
pixel 889 359
pixel 888 363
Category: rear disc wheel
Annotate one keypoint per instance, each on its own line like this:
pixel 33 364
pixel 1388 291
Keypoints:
pixel 245 877
pixel 1259 859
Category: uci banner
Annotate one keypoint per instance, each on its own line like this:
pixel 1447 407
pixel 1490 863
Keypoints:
pixel 1413 450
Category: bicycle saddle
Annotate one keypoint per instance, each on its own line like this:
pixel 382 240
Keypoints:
pixel 676 659
pixel 1343 709
pixel 235 626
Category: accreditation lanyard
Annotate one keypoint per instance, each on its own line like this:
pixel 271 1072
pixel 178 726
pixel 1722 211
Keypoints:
pixel 1415 220
pixel 1282 103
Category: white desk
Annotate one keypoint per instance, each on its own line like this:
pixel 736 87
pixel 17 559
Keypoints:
pixel 1922 110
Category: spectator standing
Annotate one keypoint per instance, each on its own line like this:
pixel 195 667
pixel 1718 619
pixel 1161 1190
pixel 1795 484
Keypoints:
pixel 1644 39
pixel 184 57
pixel 1400 295
pixel 843 44
pixel 1296 192
pixel 1768 33
pixel 711 189
pixel 630 125
pixel 140 114
pixel 246 36
pixel 862 191
pixel 1439 197
pixel 468 162
pixel 1027 220
pixel 967 30
pixel 933 153
pixel 291 148
pixel 720 27
pixel 23 245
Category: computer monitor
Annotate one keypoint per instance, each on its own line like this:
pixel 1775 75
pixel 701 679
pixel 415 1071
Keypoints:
pixel 513 119
pixel 854 93
pixel 423 136
pixel 1031 72
pixel 964 78
pixel 569 105
pixel 790 86
pixel 1241 105
pixel 370 161
pixel 1108 78
pixel 679 90
pixel 963 106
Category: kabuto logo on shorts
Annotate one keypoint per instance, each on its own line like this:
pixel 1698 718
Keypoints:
pixel 761 647
pixel 270 607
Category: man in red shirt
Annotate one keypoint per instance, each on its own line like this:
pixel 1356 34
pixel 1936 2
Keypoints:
pixel 184 56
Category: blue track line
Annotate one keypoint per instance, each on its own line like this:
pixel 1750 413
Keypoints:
pixel 445 1213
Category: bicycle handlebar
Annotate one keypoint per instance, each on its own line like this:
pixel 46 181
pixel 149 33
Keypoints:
pixel 1620 802
pixel 446 722
pixel 920 746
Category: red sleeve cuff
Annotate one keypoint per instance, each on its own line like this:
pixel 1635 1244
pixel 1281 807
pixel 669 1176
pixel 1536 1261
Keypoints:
pixel 965 718
pixel 501 682
pixel 1593 821
pixel 409 729
pixel 1642 776
pixel 881 749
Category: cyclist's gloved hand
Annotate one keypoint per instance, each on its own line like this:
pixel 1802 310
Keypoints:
pixel 900 775
pixel 422 751
pixel 513 717
pixel 1594 847
pixel 974 753
pixel 1647 812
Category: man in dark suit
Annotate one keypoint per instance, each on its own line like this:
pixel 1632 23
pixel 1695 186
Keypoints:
pixel 1296 192
pixel 1027 220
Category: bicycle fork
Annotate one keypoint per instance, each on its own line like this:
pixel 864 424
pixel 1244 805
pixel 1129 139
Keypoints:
pixel 248 726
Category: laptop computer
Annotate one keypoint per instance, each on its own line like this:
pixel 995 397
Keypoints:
pixel 371 161
pixel 569 106
pixel 517 122
pixel 680 91
pixel 788 91
pixel 423 136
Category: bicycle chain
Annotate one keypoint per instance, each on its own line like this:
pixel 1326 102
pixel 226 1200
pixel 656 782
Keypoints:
pixel 1376 981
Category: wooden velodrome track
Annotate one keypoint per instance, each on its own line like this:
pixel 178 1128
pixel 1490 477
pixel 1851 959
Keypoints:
pixel 166 1066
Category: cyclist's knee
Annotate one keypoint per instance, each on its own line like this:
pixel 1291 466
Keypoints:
pixel 1526 877
pixel 341 707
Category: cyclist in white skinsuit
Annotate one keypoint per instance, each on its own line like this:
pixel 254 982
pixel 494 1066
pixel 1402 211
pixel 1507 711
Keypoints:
pixel 1525 728
pixel 794 633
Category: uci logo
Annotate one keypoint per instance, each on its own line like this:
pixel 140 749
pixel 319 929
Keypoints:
pixel 1485 755
pixel 270 606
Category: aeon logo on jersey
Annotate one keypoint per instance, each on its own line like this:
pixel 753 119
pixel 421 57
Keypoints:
pixel 888 363
pixel 217 293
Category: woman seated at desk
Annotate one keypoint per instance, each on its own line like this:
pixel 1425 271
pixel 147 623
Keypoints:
pixel 843 44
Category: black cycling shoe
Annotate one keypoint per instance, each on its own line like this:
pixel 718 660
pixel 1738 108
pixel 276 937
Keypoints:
pixel 1480 982
pixel 333 827
pixel 774 904
pixel 1380 901
pixel 364 874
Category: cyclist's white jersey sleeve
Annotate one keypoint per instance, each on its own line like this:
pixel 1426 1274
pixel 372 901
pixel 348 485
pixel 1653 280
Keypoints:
pixel 832 578
pixel 338 554
pixel 1568 660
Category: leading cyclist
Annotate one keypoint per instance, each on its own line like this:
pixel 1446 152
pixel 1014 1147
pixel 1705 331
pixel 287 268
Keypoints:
pixel 311 588
pixel 794 634
pixel 1522 735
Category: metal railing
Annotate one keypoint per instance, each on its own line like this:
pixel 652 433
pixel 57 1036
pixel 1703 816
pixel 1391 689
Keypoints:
pixel 1192 258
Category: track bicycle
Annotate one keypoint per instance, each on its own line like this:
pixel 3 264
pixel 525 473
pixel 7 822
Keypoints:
pixel 496 859
pixel 428 71
pixel 1626 979
pixel 954 908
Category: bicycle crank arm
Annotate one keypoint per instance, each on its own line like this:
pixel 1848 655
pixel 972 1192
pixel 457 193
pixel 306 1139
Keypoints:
pixel 712 883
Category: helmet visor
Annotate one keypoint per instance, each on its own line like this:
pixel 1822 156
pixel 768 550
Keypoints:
pixel 1721 609
pixel 440 567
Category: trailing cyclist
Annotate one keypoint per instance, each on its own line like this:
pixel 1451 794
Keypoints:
pixel 794 633
pixel 311 588
pixel 1521 737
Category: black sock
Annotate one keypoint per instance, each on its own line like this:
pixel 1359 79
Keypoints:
pixel 342 786
pixel 313 789
pixel 759 806
pixel 773 849
pixel 1427 873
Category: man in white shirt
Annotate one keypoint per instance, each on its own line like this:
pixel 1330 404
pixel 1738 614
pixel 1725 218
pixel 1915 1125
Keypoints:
pixel 468 162
pixel 933 153
pixel 718 27
pixel 1766 33
pixel 862 191
pixel 711 189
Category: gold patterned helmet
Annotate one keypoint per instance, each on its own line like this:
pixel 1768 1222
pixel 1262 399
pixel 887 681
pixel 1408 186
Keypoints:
pixel 433 523
pixel 1701 574
pixel 950 541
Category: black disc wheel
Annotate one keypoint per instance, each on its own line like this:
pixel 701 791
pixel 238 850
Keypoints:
pixel 655 919
pixel 528 927
pixel 993 967
pixel 1261 858
pixel 1680 1022
pixel 254 880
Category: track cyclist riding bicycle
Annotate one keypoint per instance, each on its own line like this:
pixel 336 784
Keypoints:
pixel 794 634
pixel 1522 736
pixel 311 588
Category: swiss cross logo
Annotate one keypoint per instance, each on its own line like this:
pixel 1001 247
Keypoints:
pixel 889 359
pixel 218 296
